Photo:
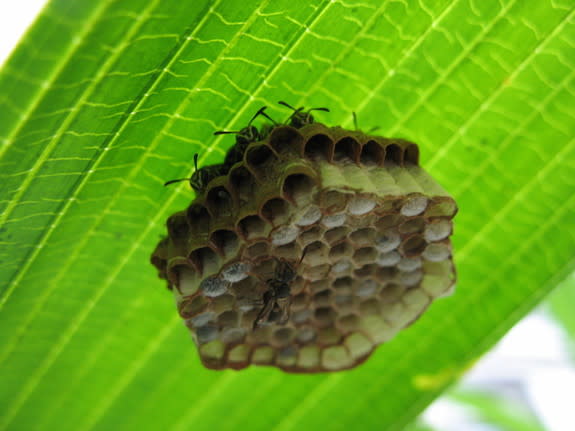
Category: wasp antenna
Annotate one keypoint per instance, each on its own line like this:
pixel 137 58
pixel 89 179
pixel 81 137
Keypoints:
pixel 167 183
pixel 303 255
pixel 355 121
pixel 287 105
pixel 196 162
pixel 223 132
pixel 270 118
pixel 257 114
pixel 319 109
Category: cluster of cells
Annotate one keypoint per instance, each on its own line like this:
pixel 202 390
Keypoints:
pixel 314 247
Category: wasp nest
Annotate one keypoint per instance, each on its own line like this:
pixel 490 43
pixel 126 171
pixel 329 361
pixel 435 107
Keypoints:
pixel 316 246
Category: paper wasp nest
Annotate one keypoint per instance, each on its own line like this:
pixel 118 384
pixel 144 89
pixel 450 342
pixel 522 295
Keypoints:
pixel 373 229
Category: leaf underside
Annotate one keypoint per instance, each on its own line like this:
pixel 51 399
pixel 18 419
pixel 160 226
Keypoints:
pixel 103 101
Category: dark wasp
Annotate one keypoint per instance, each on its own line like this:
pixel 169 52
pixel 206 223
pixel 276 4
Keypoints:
pixel 300 118
pixel 244 137
pixel 201 177
pixel 277 299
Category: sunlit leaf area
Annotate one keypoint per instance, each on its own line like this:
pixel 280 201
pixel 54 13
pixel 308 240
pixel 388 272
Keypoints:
pixel 103 101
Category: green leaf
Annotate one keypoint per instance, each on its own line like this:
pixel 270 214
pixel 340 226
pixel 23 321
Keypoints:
pixel 561 304
pixel 105 100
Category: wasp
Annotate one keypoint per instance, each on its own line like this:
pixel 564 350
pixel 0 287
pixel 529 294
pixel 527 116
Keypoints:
pixel 201 177
pixel 277 299
pixel 300 118
pixel 244 137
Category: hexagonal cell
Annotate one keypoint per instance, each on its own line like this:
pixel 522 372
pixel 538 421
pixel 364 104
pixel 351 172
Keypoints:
pixel 347 322
pixel 207 333
pixel 284 235
pixel 308 357
pixel 343 285
pixel 412 154
pixel 393 155
pixel 324 316
pixel 298 187
pixel 306 334
pixel 364 255
pixel 413 246
pixel 360 205
pixel 286 140
pixel 276 210
pixel 311 215
pixel 414 205
pixel 263 355
pixel 387 241
pixel 258 249
pixel 322 299
pixel 226 241
pixel 340 250
pixel 198 217
pixel 336 234
pixel 387 221
pixel 202 319
pixel 334 220
pixel 228 319
pixel 328 336
pixel 363 236
pixel 310 235
pixel 319 147
pixel 410 278
pixel 437 230
pixel 239 353
pixel 391 258
pixel 301 316
pixel 391 292
pixel 178 227
pixel 437 252
pixel 358 345
pixel 334 201
pixel 372 154
pixel 413 225
pixel 346 148
pixel 253 227
pixel 368 307
pixel 336 358
pixel 219 201
pixel 315 253
pixel 214 286
pixel 287 356
pixel 189 307
pixel 409 263
pixel 291 251
pixel 365 271
pixel 441 207
pixel 385 274
pixel 235 271
pixel 282 336
pixel 221 303
pixel 300 301
pixel 367 288
pixel 243 183
pixel 259 157
pixel 341 267
pixel 317 272
pixel 188 280
pixel 206 259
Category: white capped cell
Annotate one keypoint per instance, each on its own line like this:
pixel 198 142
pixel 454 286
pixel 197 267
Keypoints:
pixel 341 266
pixel 284 235
pixel 214 286
pixel 366 288
pixel 311 215
pixel 410 278
pixel 409 263
pixel 360 206
pixel 388 241
pixel 391 258
pixel 334 220
pixel 203 318
pixel 437 230
pixel 436 252
pixel 235 272
pixel 414 206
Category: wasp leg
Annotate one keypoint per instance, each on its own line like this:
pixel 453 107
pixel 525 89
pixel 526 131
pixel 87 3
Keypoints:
pixel 264 313
pixel 283 301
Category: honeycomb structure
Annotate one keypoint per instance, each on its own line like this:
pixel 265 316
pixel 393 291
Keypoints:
pixel 373 229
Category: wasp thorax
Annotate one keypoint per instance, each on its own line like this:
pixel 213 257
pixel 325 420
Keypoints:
pixel 307 248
